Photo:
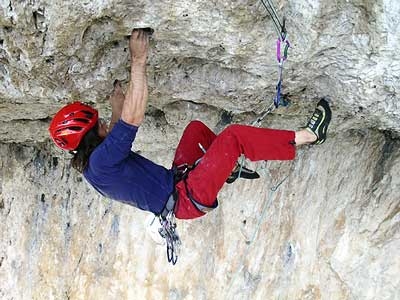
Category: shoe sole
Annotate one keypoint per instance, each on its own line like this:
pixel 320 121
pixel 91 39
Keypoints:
pixel 322 128
pixel 245 174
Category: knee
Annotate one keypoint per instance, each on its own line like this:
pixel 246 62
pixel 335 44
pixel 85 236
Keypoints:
pixel 231 132
pixel 234 133
pixel 232 129
pixel 196 124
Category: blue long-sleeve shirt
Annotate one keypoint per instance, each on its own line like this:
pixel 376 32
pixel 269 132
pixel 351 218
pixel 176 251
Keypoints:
pixel 120 174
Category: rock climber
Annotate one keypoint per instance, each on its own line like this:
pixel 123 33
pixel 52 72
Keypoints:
pixel 190 187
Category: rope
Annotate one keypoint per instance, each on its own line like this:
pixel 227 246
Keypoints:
pixel 268 110
pixel 280 27
pixel 253 236
pixel 282 42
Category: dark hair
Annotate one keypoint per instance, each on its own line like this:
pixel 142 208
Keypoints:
pixel 81 154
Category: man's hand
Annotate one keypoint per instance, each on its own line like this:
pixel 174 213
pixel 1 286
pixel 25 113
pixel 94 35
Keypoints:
pixel 139 46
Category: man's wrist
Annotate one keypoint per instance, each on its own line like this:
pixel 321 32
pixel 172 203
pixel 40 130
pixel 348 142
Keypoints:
pixel 138 69
pixel 138 64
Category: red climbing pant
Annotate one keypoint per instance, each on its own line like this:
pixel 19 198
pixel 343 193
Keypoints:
pixel 223 151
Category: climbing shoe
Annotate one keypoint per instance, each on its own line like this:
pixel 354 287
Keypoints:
pixel 319 121
pixel 242 172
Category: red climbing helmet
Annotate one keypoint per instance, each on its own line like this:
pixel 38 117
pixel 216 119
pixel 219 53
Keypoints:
pixel 71 123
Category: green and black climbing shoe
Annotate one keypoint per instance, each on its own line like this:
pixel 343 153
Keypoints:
pixel 319 122
pixel 242 172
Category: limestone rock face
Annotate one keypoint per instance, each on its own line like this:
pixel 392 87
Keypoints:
pixel 328 229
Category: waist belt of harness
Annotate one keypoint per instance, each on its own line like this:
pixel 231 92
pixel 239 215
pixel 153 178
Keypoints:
pixel 181 173
pixel 203 208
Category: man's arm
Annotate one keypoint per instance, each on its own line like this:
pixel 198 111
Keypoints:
pixel 135 102
pixel 117 99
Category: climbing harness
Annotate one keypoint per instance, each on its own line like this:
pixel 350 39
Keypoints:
pixel 168 225
pixel 181 174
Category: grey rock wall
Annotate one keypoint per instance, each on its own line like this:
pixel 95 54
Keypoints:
pixel 331 229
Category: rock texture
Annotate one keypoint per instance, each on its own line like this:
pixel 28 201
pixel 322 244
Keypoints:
pixel 329 231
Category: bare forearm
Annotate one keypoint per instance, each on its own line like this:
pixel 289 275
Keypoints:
pixel 115 116
pixel 136 97
pixel 117 99
pixel 137 94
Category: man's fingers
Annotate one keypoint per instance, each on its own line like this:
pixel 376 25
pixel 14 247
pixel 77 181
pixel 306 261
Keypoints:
pixel 142 33
pixel 143 36
pixel 135 33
